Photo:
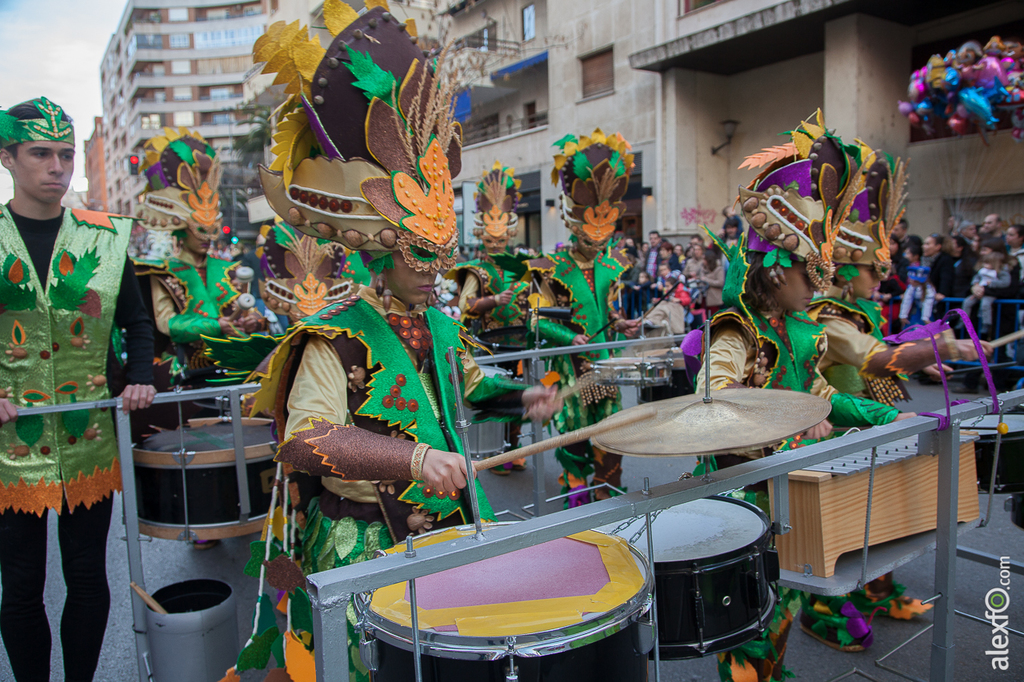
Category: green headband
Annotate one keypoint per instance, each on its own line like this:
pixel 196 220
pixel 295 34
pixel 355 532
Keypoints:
pixel 48 128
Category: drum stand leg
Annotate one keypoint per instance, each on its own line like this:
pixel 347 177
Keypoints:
pixel 184 458
pixel 654 597
pixel 946 445
pixel 245 508
pixel 532 377
pixel 992 477
pixel 417 663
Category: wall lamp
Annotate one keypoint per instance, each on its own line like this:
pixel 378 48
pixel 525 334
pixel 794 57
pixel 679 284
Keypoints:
pixel 730 129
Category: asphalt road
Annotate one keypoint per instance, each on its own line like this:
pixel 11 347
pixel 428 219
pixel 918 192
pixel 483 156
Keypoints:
pixel 167 562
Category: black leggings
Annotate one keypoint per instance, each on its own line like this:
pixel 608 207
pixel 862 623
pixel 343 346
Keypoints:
pixel 23 624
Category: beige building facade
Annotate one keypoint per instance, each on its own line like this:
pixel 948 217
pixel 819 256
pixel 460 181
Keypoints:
pixel 680 68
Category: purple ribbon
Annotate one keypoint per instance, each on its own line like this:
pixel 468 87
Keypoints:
pixel 930 331
pixel 692 347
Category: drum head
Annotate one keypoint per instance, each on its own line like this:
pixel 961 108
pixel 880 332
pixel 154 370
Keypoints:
pixel 702 529
pixel 551 586
pixel 206 438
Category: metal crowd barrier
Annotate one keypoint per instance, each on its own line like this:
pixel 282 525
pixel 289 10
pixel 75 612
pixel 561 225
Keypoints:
pixel 129 497
pixel 331 590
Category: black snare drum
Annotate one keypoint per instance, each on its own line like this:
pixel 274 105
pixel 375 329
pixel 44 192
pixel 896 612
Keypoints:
pixel 209 477
pixel 506 339
pixel 1010 472
pixel 570 610
pixel 713 572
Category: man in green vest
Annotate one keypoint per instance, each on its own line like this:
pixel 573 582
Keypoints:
pixel 65 285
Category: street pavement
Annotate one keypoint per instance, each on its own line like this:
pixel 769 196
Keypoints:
pixel 168 562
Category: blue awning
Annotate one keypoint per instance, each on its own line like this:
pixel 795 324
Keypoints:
pixel 463 106
pixel 519 66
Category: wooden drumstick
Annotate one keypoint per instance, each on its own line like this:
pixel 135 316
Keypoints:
pixel 150 602
pixel 564 439
pixel 1009 338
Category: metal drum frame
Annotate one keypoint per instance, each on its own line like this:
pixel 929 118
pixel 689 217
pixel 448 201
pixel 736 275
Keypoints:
pixel 639 372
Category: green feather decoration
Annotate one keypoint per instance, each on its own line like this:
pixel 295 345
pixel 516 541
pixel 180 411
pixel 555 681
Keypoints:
pixel 240 355
pixel 848 272
pixel 581 166
pixel 385 262
pixel 370 78
pixel 564 141
pixel 10 127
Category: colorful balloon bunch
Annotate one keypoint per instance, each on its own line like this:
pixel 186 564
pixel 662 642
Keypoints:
pixel 969 86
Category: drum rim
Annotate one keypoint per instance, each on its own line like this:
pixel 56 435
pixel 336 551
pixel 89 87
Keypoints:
pixel 725 558
pixel 194 465
pixel 529 645
pixel 480 336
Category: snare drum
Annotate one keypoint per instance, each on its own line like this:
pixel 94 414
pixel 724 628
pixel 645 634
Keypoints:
pixel 570 610
pixel 713 568
pixel 209 478
pixel 506 339
pixel 488 438
pixel 648 371
pixel 1010 473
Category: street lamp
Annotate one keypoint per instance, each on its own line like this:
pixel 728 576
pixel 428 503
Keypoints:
pixel 729 126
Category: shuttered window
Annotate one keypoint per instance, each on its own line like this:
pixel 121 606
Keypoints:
pixel 598 74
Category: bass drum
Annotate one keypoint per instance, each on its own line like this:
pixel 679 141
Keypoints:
pixel 209 479
pixel 713 571
pixel 1010 472
pixel 570 610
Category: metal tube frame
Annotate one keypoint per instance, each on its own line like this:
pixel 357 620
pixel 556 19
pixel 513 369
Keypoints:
pixel 331 590
pixel 129 497
pixel 572 350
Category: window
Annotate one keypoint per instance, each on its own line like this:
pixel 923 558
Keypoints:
pixel 221 119
pixel 149 41
pixel 598 74
pixel 214 14
pixel 177 14
pixel 184 119
pixel 529 27
pixel 238 64
pixel 151 122
pixel 160 96
pixel 221 93
pixel 235 37
pixel 183 94
pixel 180 66
pixel 158 70
pixel 179 41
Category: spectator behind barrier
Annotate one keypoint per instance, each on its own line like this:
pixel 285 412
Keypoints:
pixel 963 267
pixel 993 271
pixel 935 254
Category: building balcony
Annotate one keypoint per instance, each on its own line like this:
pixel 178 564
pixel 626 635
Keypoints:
pixel 144 106
pixel 490 128
pixel 141 79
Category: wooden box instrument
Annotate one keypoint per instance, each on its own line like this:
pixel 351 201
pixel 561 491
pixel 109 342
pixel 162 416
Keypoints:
pixel 828 503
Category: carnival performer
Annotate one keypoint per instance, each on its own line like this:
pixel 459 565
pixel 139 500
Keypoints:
pixel 492 294
pixel 858 361
pixel 592 173
pixel 361 391
pixel 764 339
pixel 66 291
pixel 194 294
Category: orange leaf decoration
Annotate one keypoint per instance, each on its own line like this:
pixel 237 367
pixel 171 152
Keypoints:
pixel 68 388
pixel 18 333
pixel 17 272
pixel 769 155
pixel 205 205
pixel 311 294
pixel 599 221
pixel 432 215
pixel 495 221
pixel 77 327
pixel 66 265
pixel 33 396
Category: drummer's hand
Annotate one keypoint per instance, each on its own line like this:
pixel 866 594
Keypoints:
pixel 137 397
pixel 229 327
pixel 504 298
pixel 444 471
pixel 8 412
pixel 579 340
pixel 628 327
pixel 969 352
pixel 904 415
pixel 819 431
pixel 251 322
pixel 933 370
pixel 541 402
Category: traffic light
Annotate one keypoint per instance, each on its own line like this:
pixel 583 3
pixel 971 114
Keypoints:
pixel 226 229
pixel 133 164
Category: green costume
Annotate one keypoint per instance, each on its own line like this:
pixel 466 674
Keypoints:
pixel 57 334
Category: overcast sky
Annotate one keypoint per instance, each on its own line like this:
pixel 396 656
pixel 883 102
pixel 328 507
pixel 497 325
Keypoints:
pixel 54 48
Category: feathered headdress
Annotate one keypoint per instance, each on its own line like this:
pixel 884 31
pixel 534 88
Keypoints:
pixel 864 235
pixel 796 206
pixel 366 147
pixel 497 196
pixel 182 177
pixel 593 173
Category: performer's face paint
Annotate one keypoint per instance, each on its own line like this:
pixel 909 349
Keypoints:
pixel 409 286
pixel 41 169
pixel 796 291
pixel 866 281
pixel 195 244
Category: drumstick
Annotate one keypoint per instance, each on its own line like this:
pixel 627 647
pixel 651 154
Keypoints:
pixel 1003 340
pixel 150 602
pixel 564 439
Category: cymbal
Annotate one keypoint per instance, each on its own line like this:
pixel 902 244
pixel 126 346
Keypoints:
pixel 736 419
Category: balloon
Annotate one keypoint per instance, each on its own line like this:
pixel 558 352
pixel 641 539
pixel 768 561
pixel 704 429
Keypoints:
pixel 914 119
pixel 959 125
pixel 906 108
pixel 978 108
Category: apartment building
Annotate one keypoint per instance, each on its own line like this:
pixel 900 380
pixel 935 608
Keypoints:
pixel 697 85
pixel 95 168
pixel 177 65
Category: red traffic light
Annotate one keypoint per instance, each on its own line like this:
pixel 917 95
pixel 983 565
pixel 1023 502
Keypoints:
pixel 134 160
pixel 226 229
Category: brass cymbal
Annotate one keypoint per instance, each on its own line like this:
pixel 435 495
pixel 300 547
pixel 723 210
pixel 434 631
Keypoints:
pixel 735 419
